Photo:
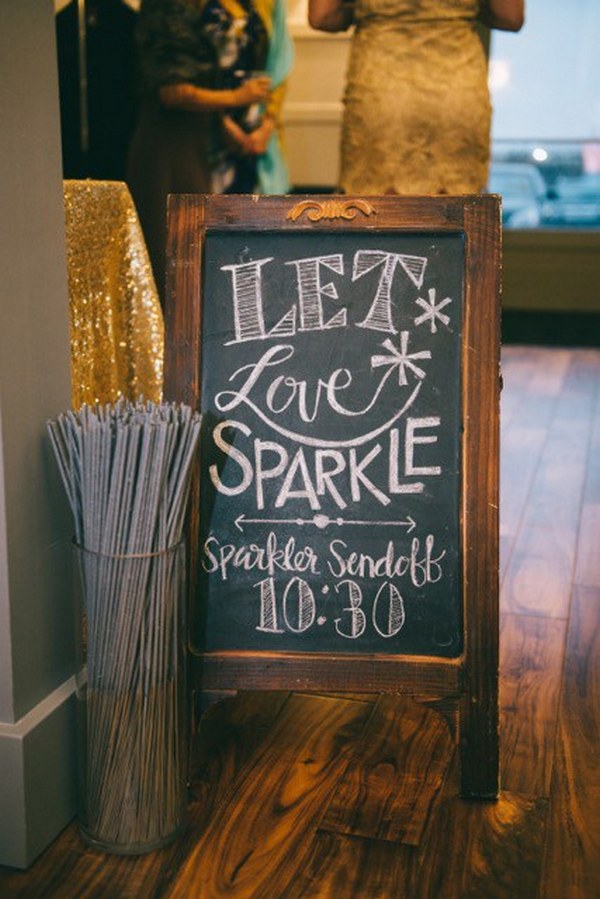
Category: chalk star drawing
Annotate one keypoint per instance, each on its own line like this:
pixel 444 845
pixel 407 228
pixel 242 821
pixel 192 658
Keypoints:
pixel 432 310
pixel 401 359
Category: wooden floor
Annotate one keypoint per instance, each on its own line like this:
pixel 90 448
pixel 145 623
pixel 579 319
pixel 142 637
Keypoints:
pixel 316 796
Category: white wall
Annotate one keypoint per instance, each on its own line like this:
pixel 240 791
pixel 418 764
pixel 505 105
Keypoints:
pixel 36 622
pixel 313 107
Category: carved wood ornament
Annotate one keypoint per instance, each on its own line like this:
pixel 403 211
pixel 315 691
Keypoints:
pixel 330 209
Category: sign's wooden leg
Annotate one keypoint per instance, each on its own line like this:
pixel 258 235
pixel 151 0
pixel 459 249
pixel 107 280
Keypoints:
pixel 479 740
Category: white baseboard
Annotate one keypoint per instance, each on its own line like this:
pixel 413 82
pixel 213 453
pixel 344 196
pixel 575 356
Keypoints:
pixel 38 777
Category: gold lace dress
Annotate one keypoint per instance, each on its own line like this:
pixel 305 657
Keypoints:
pixel 417 107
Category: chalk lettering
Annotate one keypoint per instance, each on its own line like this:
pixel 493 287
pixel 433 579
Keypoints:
pixel 248 314
pixel 248 293
pixel 225 557
pixel 420 566
pixel 311 291
pixel 379 317
pixel 358 621
pixel 310 475
pixel 412 439
pixel 396 615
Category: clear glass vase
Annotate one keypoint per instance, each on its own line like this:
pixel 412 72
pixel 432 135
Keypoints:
pixel 131 699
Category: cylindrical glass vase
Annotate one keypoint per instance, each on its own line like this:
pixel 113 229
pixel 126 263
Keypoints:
pixel 131 699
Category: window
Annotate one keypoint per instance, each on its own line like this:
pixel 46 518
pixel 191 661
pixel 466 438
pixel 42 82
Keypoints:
pixel 545 84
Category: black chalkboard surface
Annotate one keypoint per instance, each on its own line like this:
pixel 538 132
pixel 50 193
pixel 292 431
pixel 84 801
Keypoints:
pixel 331 440
pixel 344 530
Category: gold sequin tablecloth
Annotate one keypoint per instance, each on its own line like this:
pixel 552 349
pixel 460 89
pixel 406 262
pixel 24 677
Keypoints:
pixel 117 337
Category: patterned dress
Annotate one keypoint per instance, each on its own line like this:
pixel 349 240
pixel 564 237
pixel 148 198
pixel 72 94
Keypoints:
pixel 417 107
pixel 239 39
pixel 213 44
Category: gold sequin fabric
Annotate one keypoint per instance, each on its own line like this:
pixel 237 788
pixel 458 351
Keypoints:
pixel 117 337
pixel 417 108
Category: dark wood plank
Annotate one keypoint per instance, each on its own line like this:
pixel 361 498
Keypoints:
pixel 395 773
pixel 223 750
pixel 260 839
pixel 524 392
pixel 357 697
pixel 226 736
pixel 572 860
pixel 521 450
pixel 232 735
pixel 538 580
pixel 479 745
pixel 587 572
pixel 549 375
pixel 341 867
pixel 322 673
pixel 531 656
pixel 68 868
pixel 182 318
pixel 249 708
pixel 479 849
pixel 529 400
pixel 440 213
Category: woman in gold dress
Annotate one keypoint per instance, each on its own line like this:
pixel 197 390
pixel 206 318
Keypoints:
pixel 417 110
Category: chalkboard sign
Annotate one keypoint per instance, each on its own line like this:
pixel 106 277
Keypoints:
pixel 331 441
pixel 344 354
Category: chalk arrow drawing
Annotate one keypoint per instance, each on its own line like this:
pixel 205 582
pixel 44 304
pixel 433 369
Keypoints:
pixel 322 521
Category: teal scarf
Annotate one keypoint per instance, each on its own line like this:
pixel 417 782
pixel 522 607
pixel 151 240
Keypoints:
pixel 272 169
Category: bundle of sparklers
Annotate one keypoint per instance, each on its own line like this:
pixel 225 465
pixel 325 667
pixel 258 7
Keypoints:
pixel 126 471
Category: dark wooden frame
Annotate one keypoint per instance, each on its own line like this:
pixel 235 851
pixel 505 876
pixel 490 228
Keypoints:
pixel 472 679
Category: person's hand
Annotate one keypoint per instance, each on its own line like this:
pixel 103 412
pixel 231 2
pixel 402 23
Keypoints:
pixel 254 90
pixel 236 138
pixel 260 137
